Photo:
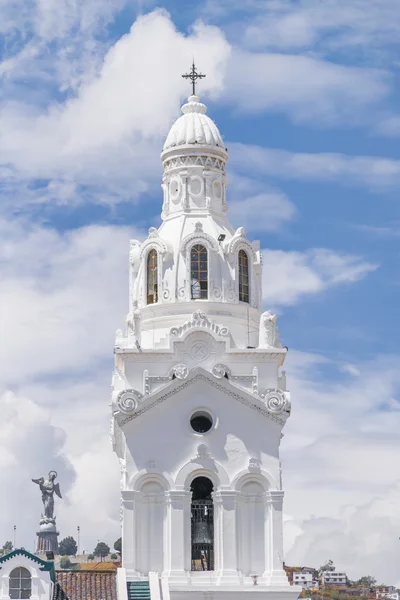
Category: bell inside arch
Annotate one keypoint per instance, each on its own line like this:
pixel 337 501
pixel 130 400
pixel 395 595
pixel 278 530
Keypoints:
pixel 202 525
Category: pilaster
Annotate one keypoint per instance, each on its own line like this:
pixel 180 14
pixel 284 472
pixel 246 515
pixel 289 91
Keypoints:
pixel 274 573
pixel 178 543
pixel 225 507
pixel 129 531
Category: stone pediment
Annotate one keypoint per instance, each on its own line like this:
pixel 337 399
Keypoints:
pixel 131 404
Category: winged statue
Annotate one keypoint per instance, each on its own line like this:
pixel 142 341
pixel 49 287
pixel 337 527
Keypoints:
pixel 48 488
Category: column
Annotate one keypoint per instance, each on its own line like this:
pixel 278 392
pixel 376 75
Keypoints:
pixel 226 501
pixel 275 573
pixel 178 550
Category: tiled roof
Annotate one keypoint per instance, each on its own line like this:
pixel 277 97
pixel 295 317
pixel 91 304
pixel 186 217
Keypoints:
pixel 99 566
pixel 86 585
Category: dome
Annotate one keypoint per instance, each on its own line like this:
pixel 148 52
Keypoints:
pixel 193 127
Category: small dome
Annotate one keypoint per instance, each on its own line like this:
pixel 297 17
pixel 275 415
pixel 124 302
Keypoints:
pixel 193 127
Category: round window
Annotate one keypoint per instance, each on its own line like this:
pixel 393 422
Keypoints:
pixel 201 421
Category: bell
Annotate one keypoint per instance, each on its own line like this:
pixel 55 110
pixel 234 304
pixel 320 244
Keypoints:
pixel 202 533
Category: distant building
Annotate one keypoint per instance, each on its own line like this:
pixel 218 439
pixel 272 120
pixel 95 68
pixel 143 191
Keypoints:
pixel 305 579
pixel 388 592
pixel 333 578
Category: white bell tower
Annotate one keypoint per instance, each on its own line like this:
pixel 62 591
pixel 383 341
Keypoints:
pixel 199 399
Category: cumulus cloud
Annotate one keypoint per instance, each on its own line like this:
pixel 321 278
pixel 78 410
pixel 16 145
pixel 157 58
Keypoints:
pixel 60 292
pixel 30 445
pixel 343 480
pixel 375 171
pixel 109 133
pixel 289 276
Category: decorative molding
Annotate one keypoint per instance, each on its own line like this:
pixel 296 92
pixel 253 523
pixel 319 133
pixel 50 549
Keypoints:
pixel 202 238
pixel 219 371
pixel 254 464
pixel 203 452
pixel 156 243
pixel 275 400
pixel 239 240
pixel 180 371
pixel 199 320
pixel 195 161
pixel 128 401
pixel 162 396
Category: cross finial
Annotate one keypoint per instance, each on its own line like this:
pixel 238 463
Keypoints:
pixel 193 76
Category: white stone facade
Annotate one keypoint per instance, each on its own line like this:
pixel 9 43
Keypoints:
pixel 197 346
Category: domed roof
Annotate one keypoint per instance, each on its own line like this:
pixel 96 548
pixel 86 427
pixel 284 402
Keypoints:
pixel 193 127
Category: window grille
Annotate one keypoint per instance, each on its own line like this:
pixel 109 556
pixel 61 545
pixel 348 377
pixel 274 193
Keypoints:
pixel 152 277
pixel 199 272
pixel 243 276
pixel 20 583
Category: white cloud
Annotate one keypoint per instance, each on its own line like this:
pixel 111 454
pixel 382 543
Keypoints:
pixel 331 26
pixel 265 210
pixel 30 445
pixel 341 474
pixel 109 133
pixel 305 88
pixel 289 276
pixel 60 292
pixel 344 169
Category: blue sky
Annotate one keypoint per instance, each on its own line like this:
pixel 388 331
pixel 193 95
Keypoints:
pixel 306 95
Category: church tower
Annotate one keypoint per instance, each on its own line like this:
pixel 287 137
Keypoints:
pixel 199 399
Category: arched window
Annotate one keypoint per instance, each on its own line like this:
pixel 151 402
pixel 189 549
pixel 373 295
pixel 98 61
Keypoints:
pixel 20 583
pixel 199 272
pixel 152 277
pixel 243 276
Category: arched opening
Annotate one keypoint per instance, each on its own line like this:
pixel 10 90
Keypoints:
pixel 20 583
pixel 202 524
pixel 243 276
pixel 152 277
pixel 199 272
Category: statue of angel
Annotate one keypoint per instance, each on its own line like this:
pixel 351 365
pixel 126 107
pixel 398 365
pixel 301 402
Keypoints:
pixel 48 488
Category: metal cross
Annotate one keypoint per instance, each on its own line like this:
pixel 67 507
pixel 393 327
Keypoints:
pixel 193 76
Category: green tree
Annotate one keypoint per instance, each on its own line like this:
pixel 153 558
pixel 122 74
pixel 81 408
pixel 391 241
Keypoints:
pixel 7 547
pixel 68 546
pixel 102 550
pixel 367 581
pixel 118 545
pixel 65 563
pixel 90 556
pixel 114 556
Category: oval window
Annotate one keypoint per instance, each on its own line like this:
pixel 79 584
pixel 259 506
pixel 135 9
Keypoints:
pixel 196 186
